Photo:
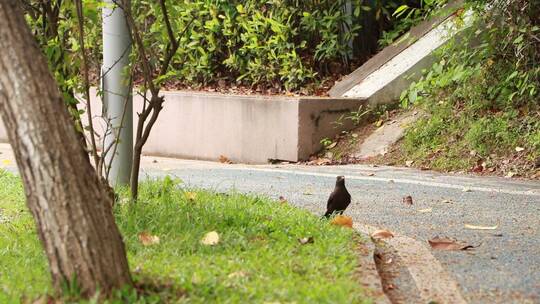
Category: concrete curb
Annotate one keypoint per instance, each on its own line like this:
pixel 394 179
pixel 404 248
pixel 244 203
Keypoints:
pixel 433 282
pixel 367 272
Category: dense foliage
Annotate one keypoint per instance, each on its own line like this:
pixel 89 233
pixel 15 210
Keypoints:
pixel 406 15
pixel 482 96
pixel 283 44
pixel 54 25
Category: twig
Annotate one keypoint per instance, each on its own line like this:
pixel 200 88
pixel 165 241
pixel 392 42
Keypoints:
pixel 78 4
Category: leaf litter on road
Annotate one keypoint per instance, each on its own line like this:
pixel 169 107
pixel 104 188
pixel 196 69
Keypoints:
pixel 443 243
pixel 381 234
pixel 224 159
pixel 476 227
pixel 407 200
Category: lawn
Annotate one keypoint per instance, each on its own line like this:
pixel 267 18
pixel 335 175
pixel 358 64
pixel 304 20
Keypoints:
pixel 258 258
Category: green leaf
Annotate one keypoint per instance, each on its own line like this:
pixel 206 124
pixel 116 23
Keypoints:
pixel 413 95
pixel 240 8
pixel 400 10
pixel 512 76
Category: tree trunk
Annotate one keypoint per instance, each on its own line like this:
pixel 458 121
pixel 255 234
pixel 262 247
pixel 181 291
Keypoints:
pixel 72 210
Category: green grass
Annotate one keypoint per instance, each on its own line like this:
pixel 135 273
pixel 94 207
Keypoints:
pixel 481 97
pixel 258 243
pixel 454 136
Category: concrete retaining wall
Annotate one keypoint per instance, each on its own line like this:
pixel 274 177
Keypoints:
pixel 247 129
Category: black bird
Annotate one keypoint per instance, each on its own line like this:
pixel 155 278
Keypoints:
pixel 339 199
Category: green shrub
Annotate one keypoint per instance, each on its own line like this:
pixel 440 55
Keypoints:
pixel 406 15
pixel 280 43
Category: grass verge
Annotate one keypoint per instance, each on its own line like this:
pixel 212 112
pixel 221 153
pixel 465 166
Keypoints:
pixel 258 259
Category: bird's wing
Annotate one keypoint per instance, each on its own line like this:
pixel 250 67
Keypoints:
pixel 330 200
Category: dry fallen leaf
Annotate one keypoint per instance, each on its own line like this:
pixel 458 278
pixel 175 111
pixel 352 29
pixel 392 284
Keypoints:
pixel 191 196
pixel 425 210
pixel 381 234
pixel 196 279
pixel 409 163
pixel 124 201
pixel 282 200
pixel 44 300
pixel 439 243
pixel 306 240
pixel 138 269
pixel 446 201
pixel 224 160
pixel 407 200
pixel 479 167
pixel 210 239
pixel 475 227
pixel 237 274
pixel 332 145
pixel 519 149
pixel 147 239
pixel 342 220
pixel 466 189
pixel 510 174
pixel 322 161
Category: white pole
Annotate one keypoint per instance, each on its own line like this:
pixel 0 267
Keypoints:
pixel 117 98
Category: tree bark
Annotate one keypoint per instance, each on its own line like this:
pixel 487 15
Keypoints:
pixel 71 209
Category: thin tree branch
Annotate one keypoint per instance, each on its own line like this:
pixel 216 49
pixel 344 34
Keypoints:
pixel 172 51
pixel 80 17
pixel 168 23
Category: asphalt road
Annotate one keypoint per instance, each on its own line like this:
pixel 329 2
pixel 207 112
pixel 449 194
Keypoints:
pixel 504 268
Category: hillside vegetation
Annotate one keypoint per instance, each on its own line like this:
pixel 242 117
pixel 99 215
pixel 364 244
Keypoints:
pixel 482 97
pixel 478 104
